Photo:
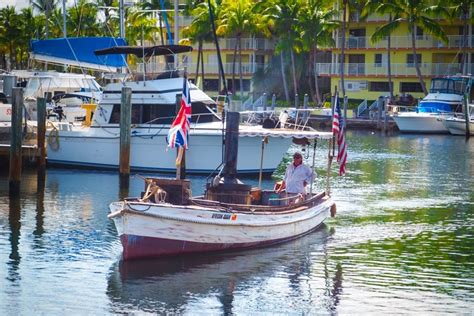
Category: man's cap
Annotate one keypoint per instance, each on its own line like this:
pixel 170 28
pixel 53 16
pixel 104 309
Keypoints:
pixel 297 154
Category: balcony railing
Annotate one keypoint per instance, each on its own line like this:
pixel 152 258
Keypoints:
pixel 400 70
pixel 209 68
pixel 425 41
pixel 247 44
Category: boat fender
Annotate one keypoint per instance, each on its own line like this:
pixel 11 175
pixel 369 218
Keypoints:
pixel 333 210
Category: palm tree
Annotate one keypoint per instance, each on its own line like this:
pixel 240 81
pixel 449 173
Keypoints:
pixel 237 19
pixel 416 13
pixel 29 26
pixel 45 6
pixel 462 8
pixel 199 31
pixel 284 15
pixel 385 31
pixel 10 32
pixel 83 19
pixel 315 29
pixel 157 5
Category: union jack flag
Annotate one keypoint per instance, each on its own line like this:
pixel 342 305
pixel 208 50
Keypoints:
pixel 338 126
pixel 178 133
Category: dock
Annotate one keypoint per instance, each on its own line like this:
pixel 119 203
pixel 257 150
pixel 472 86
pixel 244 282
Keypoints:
pixel 325 122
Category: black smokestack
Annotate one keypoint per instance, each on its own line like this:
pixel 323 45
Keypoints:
pixel 231 146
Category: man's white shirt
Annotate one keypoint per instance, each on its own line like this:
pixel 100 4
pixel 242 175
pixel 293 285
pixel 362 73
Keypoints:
pixel 295 177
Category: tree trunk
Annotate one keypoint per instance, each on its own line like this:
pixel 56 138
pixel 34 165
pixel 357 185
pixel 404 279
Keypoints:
pixel 310 75
pixel 293 70
pixel 415 59
pixel 198 60
pixel 240 69
pixel 161 30
pixel 464 43
pixel 343 45
pixel 283 76
pixel 316 83
pixel 233 67
pixel 202 68
pixel 389 64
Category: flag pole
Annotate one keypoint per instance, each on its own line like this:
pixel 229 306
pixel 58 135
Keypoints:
pixel 180 151
pixel 336 94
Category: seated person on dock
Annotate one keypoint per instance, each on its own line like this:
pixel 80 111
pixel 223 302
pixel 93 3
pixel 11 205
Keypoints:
pixel 297 177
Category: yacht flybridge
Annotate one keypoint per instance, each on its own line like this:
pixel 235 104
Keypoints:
pixel 153 110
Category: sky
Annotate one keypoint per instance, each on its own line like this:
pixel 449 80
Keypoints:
pixel 20 4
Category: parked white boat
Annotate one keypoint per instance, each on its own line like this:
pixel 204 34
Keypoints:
pixel 153 109
pixel 457 124
pixel 50 84
pixel 445 98
pixel 230 215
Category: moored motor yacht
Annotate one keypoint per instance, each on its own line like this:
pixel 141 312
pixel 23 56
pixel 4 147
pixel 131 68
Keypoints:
pixel 445 98
pixel 153 105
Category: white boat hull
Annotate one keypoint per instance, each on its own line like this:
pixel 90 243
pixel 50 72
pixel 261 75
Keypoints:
pixel 154 230
pixel 412 122
pixel 99 147
pixel 457 126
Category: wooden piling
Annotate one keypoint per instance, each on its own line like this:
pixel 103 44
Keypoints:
pixel 385 116
pixel 41 132
pixel 125 131
pixel 467 115
pixel 297 101
pixel 379 112
pixel 264 101
pixel 16 141
pixel 273 102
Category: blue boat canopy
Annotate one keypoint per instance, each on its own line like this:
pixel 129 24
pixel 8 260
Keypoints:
pixel 79 51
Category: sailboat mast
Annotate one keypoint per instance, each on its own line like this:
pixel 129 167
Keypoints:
pixel 64 19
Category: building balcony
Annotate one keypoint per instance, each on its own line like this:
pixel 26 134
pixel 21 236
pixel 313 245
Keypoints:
pixel 398 70
pixel 246 44
pixel 404 42
pixel 248 69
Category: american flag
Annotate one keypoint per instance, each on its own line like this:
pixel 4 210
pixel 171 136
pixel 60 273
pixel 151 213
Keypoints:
pixel 338 131
pixel 178 133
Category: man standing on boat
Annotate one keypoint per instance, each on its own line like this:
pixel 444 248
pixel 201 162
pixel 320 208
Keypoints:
pixel 297 177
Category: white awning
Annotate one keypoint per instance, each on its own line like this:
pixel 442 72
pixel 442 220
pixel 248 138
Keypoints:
pixel 259 131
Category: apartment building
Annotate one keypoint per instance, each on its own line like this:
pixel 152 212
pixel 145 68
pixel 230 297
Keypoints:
pixel 365 67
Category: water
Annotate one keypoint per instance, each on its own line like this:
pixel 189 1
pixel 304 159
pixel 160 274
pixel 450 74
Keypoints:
pixel 403 242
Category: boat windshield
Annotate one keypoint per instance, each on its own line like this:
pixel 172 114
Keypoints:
pixel 449 85
pixel 164 114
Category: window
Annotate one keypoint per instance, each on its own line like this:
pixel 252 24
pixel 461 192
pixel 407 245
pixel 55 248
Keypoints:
pixel 410 87
pixel 211 84
pixel 411 60
pixel 246 83
pixel 379 86
pixel 419 33
pixel 380 60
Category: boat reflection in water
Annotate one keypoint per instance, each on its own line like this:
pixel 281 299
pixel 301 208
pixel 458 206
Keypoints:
pixel 227 282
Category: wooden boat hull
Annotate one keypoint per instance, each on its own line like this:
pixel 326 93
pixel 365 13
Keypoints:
pixel 156 230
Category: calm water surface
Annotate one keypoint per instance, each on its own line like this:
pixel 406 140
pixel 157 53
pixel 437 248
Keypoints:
pixel 403 242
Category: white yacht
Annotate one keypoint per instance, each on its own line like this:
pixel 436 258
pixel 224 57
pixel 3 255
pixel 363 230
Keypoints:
pixel 445 98
pixel 153 110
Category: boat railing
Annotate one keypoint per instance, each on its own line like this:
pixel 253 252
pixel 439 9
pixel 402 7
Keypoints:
pixel 292 118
